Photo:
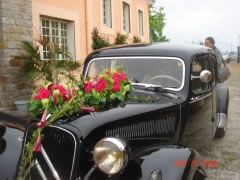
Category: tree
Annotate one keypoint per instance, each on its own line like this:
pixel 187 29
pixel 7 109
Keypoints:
pixel 156 23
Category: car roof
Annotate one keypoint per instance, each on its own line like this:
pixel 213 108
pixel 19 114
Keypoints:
pixel 186 52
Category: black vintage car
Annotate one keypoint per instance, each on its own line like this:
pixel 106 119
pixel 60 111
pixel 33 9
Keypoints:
pixel 176 92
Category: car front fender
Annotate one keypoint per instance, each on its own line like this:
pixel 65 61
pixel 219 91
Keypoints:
pixel 170 162
pixel 10 149
pixel 162 162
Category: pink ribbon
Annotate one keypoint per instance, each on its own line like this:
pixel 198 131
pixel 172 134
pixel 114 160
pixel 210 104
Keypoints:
pixel 38 145
pixel 42 122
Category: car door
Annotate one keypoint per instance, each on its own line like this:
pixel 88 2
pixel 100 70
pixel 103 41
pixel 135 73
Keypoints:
pixel 199 127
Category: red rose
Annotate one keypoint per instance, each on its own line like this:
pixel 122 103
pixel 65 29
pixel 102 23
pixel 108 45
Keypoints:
pixel 116 77
pixel 116 87
pixel 123 76
pixel 59 90
pixel 88 86
pixel 101 85
pixel 42 94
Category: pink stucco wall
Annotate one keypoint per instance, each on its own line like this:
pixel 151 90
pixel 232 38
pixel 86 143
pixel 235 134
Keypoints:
pixel 87 14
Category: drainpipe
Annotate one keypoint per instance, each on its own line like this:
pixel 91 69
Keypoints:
pixel 86 24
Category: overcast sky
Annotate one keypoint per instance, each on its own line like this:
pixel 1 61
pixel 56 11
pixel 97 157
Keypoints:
pixel 193 20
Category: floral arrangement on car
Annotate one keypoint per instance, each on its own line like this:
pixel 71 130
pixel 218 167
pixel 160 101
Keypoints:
pixel 52 102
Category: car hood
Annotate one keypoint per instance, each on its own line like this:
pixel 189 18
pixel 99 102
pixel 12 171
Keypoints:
pixel 141 110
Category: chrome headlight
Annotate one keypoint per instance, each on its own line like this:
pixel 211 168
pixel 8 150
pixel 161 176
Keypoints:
pixel 110 155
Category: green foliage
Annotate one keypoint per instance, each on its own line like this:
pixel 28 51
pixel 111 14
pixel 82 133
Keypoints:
pixel 34 67
pixel 156 25
pixel 136 39
pixel 98 41
pixel 121 39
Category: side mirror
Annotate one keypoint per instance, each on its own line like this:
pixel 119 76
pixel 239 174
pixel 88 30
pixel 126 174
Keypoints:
pixel 205 76
pixel 2 130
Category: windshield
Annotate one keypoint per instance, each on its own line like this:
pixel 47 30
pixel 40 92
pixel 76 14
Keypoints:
pixel 165 72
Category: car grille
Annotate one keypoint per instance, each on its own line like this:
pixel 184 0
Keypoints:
pixel 138 132
pixel 57 157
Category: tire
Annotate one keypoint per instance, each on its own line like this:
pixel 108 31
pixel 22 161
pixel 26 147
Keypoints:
pixel 2 130
pixel 220 133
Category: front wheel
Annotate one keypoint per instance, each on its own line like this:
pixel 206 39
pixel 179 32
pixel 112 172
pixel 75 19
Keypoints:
pixel 220 133
pixel 221 125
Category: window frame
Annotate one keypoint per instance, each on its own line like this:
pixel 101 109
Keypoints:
pixel 126 20
pixel 61 34
pixel 107 13
pixel 140 23
pixel 86 70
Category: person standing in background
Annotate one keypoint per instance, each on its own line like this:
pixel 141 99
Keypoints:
pixel 210 42
pixel 223 70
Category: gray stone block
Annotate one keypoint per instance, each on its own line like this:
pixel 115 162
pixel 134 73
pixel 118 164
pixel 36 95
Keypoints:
pixel 8 20
pixel 15 26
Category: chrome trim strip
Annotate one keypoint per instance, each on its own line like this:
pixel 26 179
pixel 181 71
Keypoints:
pixel 39 168
pixel 198 98
pixel 116 141
pixel 45 156
pixel 144 57
pixel 75 148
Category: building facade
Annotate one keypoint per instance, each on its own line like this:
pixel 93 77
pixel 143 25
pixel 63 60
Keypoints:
pixel 67 23
pixel 72 22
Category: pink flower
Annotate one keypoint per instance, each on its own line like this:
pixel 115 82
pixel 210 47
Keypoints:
pixel 42 94
pixel 88 86
pixel 38 144
pixel 101 85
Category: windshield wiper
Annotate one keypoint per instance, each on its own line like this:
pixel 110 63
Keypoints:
pixel 156 88
pixel 150 87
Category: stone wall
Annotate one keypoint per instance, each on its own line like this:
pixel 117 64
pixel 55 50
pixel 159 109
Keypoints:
pixel 15 26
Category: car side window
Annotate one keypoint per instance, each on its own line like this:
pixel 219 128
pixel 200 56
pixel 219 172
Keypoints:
pixel 200 63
